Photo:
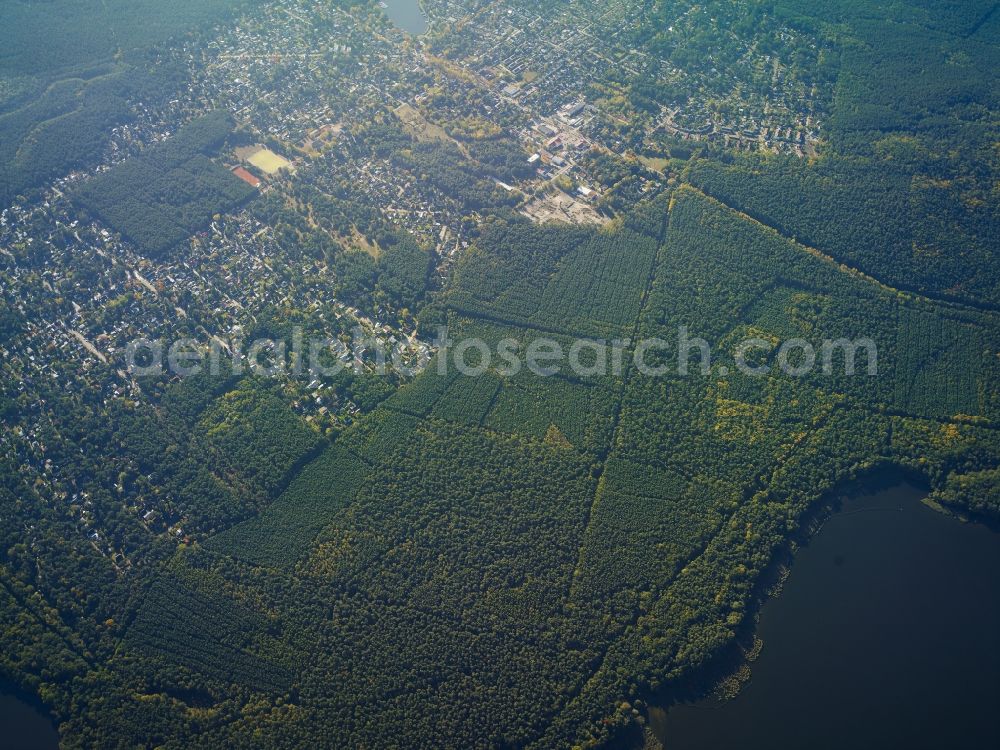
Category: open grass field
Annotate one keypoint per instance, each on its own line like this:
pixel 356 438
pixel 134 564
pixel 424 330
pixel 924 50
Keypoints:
pixel 418 127
pixel 656 163
pixel 269 162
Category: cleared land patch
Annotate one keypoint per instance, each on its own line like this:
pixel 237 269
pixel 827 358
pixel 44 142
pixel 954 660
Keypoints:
pixel 163 196
pixel 269 162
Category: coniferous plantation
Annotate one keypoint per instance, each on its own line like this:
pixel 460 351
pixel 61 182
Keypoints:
pixel 159 198
pixel 274 471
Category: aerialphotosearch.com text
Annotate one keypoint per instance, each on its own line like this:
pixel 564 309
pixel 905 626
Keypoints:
pixel 681 355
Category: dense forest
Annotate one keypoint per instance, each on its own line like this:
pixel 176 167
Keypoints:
pixel 71 74
pixel 68 125
pixel 159 199
pixel 905 188
pixel 37 40
pixel 547 547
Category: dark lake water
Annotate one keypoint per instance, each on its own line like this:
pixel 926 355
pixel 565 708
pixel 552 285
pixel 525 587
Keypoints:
pixel 406 14
pixel 23 725
pixel 886 635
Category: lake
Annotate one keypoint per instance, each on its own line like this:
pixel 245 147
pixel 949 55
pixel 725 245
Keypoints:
pixel 406 14
pixel 885 635
pixel 23 723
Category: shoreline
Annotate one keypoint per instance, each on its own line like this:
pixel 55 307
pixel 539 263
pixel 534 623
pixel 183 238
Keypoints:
pixel 724 676
pixel 384 5
pixel 30 702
